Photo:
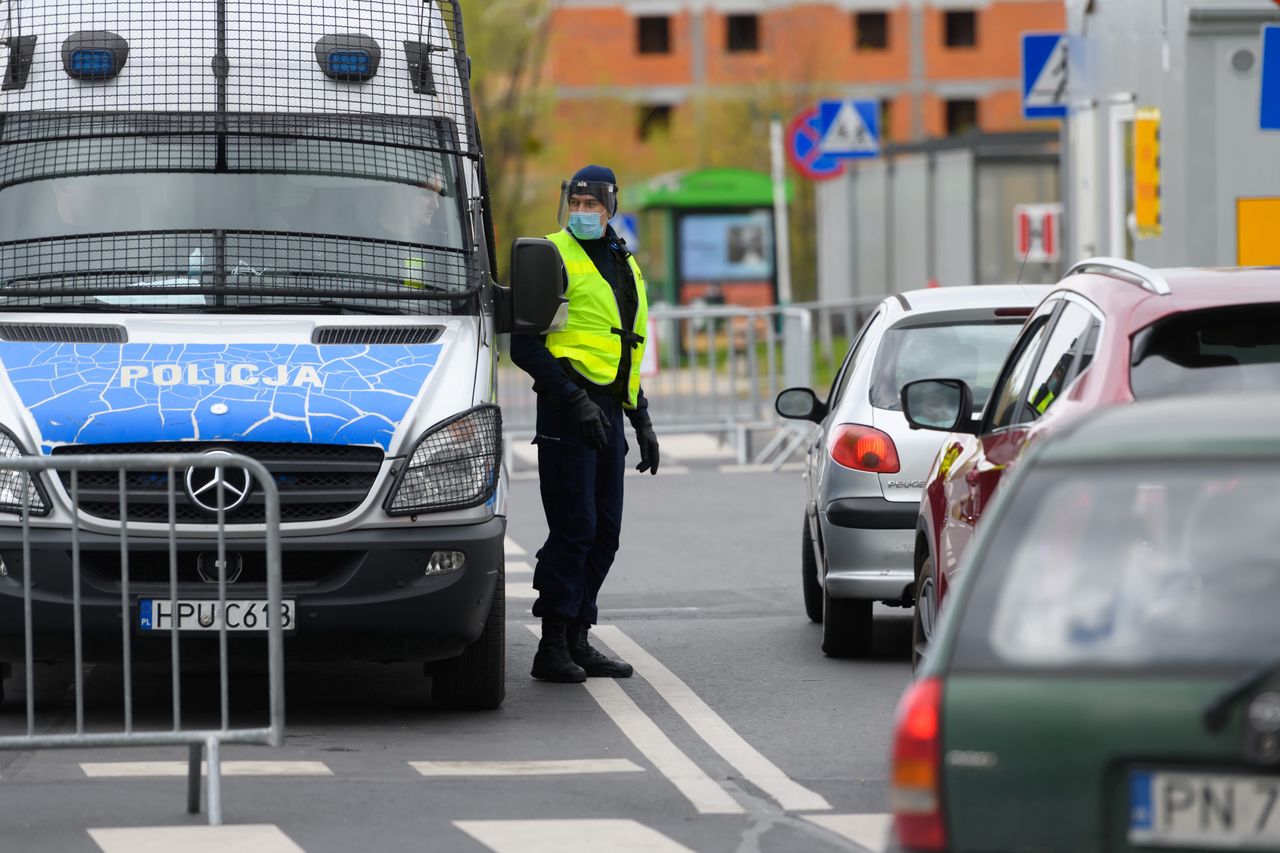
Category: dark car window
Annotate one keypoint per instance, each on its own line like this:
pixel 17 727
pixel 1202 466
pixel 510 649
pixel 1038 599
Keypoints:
pixel 1129 564
pixel 973 352
pixel 1215 350
pixel 1007 398
pixel 1064 351
pixel 850 360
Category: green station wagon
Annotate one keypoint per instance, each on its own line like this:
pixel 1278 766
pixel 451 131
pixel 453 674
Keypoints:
pixel 1108 678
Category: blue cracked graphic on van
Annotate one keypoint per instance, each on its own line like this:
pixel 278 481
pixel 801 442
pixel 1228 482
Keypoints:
pixel 101 394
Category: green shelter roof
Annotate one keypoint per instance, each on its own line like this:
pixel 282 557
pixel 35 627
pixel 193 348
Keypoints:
pixel 704 188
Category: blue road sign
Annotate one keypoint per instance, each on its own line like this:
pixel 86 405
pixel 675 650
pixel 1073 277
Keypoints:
pixel 626 227
pixel 849 129
pixel 1270 78
pixel 1044 75
pixel 802 149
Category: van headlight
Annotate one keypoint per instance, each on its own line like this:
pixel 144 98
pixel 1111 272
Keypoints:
pixel 454 465
pixel 14 483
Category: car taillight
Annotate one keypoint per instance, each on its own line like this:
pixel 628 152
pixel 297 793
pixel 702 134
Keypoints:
pixel 915 792
pixel 864 448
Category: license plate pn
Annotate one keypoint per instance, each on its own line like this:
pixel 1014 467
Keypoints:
pixel 240 615
pixel 1204 810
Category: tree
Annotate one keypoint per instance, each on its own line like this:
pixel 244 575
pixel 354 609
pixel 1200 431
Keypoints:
pixel 507 40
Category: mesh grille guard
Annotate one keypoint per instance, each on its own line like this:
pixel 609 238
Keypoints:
pixel 374 92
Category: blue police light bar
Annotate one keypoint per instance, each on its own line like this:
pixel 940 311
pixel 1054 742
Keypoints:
pixel 94 54
pixel 348 57
pixel 350 63
pixel 93 63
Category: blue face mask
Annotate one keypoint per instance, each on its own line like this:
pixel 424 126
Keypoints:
pixel 586 226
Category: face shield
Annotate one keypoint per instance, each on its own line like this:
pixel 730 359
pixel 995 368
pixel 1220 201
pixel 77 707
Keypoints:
pixel 605 194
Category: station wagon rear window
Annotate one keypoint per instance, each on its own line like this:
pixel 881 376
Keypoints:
pixel 973 352
pixel 1131 564
pixel 1223 350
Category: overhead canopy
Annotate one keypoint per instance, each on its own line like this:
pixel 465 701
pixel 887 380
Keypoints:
pixel 705 188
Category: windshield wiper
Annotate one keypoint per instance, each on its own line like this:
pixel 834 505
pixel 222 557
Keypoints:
pixel 1218 712
pixel 96 307
pixel 312 307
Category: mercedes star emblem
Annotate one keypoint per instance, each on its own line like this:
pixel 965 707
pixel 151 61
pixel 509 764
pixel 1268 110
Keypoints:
pixel 1264 713
pixel 206 483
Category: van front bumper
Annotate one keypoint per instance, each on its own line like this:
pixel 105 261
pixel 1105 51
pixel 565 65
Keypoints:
pixel 359 594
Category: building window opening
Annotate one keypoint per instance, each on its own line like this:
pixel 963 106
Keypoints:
pixel 886 119
pixel 655 119
pixel 962 116
pixel 742 33
pixel 961 29
pixel 653 34
pixel 871 31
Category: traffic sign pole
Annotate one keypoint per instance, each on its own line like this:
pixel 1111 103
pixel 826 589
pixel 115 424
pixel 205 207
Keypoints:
pixel 781 222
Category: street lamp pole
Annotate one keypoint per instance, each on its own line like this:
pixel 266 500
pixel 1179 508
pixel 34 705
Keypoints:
pixel 781 224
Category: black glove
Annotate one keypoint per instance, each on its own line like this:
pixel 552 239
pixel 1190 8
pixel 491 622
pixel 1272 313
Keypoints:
pixel 593 426
pixel 646 438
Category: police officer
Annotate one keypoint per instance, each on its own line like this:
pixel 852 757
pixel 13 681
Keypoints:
pixel 587 377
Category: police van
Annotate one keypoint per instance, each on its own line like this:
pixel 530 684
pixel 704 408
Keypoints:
pixel 259 227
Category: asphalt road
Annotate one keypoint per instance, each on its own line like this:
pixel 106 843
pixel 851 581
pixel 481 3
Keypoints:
pixel 736 735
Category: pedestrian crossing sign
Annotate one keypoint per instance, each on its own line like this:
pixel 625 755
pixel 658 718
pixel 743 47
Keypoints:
pixel 849 128
pixel 1044 75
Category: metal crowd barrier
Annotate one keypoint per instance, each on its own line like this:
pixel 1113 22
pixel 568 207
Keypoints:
pixel 718 369
pixel 198 741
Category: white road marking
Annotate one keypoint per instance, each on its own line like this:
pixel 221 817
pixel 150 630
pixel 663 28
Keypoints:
pixel 663 471
pixel 512 548
pixel 754 767
pixel 249 838
pixel 699 789
pixel 518 567
pixel 559 767
pixel 165 769
pixel 867 830
pixel 516 476
pixel 789 467
pixel 568 836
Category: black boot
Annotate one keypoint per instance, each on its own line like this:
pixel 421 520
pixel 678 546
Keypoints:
pixel 552 662
pixel 596 664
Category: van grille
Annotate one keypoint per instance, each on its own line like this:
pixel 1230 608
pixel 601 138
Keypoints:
pixel 376 335
pixel 316 482
pixel 57 333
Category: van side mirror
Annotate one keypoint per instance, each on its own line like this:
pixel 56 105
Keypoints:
pixel 535 302
pixel 943 405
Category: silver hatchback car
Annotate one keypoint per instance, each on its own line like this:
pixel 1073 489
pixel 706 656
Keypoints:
pixel 866 466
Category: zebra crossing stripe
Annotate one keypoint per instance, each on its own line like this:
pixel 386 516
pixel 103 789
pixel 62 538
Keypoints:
pixel 568 836
pixel 249 838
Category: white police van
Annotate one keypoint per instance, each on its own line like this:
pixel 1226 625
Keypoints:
pixel 258 226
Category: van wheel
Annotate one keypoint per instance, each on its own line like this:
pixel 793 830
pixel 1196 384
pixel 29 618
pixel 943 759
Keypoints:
pixel 846 626
pixel 809 576
pixel 476 680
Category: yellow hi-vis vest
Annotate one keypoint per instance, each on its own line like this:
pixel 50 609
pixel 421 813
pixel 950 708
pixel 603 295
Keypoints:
pixel 591 339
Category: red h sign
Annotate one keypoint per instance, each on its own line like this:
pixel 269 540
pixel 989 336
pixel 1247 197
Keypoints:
pixel 1037 235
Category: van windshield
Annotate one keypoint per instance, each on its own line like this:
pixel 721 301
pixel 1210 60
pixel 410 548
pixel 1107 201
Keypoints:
pixel 129 217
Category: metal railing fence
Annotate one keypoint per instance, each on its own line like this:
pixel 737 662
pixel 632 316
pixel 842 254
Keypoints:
pixel 717 368
pixel 35 488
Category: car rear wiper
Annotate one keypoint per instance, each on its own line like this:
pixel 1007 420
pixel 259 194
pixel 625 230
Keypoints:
pixel 312 307
pixel 1218 712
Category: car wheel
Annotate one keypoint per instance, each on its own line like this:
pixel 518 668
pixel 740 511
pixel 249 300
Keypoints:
pixel 846 626
pixel 809 576
pixel 476 680
pixel 926 613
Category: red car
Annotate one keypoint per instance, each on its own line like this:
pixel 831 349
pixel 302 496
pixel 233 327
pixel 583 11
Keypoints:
pixel 1112 332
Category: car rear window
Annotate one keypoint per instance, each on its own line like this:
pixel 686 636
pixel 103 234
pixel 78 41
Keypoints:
pixel 1127 565
pixel 971 351
pixel 1220 349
